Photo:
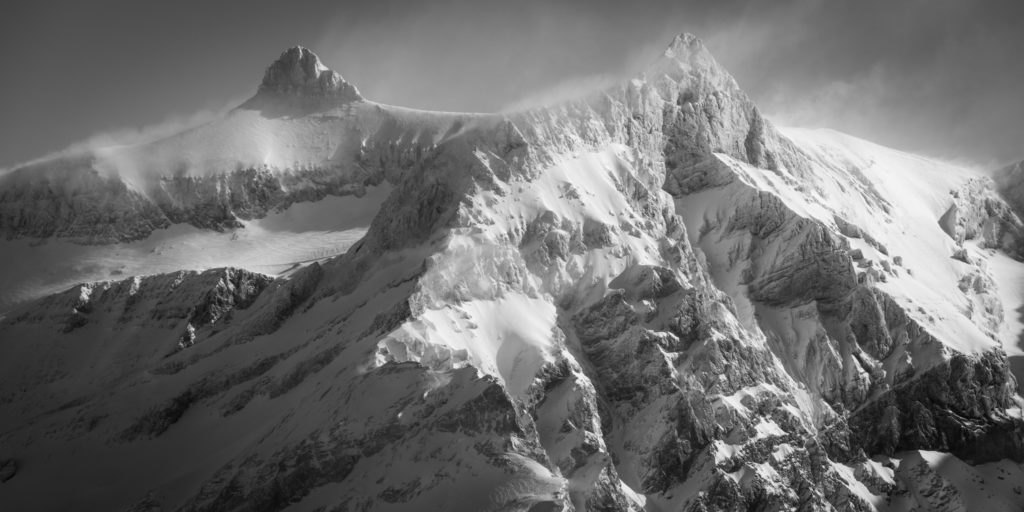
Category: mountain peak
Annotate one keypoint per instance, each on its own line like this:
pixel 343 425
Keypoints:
pixel 683 45
pixel 688 48
pixel 686 55
pixel 299 72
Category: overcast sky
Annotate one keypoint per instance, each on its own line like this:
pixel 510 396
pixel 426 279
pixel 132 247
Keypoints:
pixel 941 77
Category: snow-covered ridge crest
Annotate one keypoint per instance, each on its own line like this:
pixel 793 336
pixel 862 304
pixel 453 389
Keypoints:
pixel 305 134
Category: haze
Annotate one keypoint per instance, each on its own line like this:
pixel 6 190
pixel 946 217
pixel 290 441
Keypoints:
pixel 937 77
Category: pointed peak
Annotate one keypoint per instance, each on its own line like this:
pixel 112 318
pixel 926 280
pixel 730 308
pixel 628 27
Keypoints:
pixel 684 44
pixel 688 48
pixel 299 72
pixel 686 56
pixel 300 58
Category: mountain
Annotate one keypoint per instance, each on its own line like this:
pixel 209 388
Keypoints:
pixel 648 298
pixel 305 136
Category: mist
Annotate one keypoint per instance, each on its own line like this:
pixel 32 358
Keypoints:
pixel 130 136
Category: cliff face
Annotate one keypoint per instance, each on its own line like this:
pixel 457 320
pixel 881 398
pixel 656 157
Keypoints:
pixel 646 299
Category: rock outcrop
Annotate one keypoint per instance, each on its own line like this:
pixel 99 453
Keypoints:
pixel 299 72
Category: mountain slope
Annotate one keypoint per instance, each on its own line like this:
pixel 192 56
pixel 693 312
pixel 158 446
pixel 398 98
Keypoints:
pixel 645 299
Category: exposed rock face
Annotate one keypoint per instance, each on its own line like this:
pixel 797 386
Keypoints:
pixel 644 299
pixel 200 299
pixel 979 213
pixel 299 72
pixel 957 407
pixel 60 198
pixel 708 113
pixel 927 489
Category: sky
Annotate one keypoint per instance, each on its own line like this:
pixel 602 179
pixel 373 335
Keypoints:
pixel 938 77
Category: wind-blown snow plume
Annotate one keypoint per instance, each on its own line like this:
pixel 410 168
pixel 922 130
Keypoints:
pixel 562 92
pixel 131 136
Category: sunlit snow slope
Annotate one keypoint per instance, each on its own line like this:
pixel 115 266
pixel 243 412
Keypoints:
pixel 957 241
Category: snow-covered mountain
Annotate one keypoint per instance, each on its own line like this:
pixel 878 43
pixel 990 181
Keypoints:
pixel 648 298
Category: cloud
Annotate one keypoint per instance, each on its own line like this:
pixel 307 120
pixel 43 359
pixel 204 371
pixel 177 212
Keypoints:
pixel 141 135
pixel 857 101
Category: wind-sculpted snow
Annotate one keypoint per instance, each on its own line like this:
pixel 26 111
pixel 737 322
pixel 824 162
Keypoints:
pixel 645 299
